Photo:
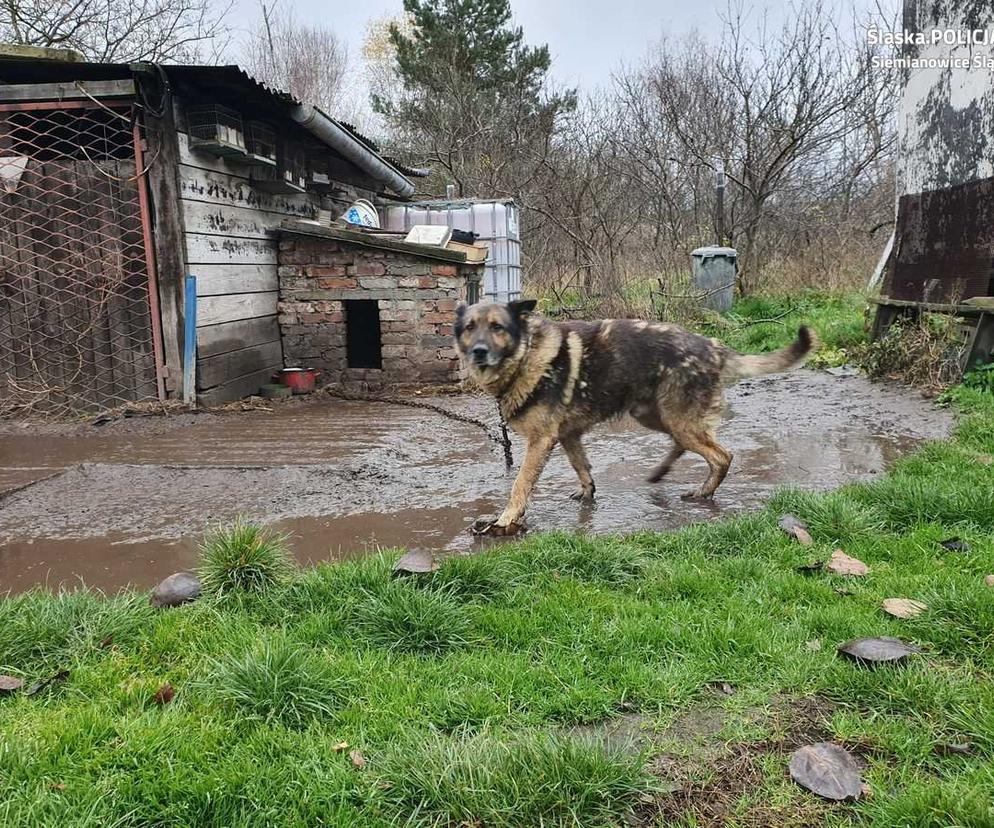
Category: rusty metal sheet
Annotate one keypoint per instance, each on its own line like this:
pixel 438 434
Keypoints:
pixel 944 248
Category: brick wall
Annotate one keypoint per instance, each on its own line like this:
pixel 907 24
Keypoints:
pixel 417 298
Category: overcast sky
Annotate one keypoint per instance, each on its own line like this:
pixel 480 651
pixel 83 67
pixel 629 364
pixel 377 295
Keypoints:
pixel 588 38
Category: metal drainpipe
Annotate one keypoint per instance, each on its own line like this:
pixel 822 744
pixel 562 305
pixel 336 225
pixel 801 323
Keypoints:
pixel 320 125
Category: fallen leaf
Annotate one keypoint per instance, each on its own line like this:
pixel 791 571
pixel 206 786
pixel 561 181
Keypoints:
pixel 105 642
pixel 10 684
pixel 58 786
pixel 955 545
pixel 796 529
pixel 827 770
pixel 358 760
pixel 814 645
pixel 38 686
pixel 164 694
pixel 722 688
pixel 904 607
pixel 843 564
pixel 338 747
pixel 989 580
pixel 416 562
pixel 877 650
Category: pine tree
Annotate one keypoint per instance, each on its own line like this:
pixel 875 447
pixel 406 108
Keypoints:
pixel 474 97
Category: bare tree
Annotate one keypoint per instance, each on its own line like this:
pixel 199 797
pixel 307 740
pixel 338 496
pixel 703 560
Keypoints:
pixel 310 62
pixel 118 30
pixel 799 103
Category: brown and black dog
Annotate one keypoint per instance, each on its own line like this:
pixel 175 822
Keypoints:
pixel 555 380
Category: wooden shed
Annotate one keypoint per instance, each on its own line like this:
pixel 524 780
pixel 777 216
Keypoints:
pixel 116 181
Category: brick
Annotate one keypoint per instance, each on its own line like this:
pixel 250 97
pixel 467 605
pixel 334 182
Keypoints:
pixel 445 270
pixel 337 282
pixel 450 282
pixel 446 304
pixel 376 282
pixel 427 282
pixel 435 316
pixel 319 271
pixel 370 269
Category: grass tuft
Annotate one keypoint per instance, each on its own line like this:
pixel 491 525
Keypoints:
pixel 402 617
pixel 279 682
pixel 527 779
pixel 243 557
pixel 602 560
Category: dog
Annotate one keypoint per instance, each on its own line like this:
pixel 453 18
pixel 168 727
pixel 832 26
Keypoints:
pixel 554 381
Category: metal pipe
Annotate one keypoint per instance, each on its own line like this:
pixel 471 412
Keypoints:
pixel 190 341
pixel 321 126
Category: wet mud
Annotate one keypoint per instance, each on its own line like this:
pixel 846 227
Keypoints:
pixel 126 503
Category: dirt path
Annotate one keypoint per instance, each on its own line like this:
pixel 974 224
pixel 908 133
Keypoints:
pixel 125 503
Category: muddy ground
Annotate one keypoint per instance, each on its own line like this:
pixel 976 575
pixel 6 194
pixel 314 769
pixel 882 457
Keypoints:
pixel 124 503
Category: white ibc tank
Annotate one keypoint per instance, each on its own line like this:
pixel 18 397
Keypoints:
pixel 495 222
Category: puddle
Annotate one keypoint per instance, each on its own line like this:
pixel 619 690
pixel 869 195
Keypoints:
pixel 126 503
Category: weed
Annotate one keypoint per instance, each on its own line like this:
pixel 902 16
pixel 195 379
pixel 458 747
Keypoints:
pixel 401 616
pixel 278 682
pixel 511 780
pixel 243 557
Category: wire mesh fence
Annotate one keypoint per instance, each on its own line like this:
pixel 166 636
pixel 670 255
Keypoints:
pixel 77 334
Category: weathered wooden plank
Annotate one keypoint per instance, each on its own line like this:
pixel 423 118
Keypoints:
pixel 237 388
pixel 163 149
pixel 204 249
pixel 224 220
pixel 230 336
pixel 9 93
pixel 223 367
pixel 222 279
pixel 213 310
pixel 215 187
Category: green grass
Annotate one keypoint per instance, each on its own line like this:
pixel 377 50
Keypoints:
pixel 243 557
pixel 760 324
pixel 476 694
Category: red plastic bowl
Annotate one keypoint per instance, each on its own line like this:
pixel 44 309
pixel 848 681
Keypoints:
pixel 299 380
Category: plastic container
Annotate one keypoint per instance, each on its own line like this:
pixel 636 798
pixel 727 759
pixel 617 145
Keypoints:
pixel 714 272
pixel 298 380
pixel 363 213
pixel 495 222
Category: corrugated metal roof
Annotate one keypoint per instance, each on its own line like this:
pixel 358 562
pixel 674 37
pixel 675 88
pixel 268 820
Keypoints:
pixel 203 81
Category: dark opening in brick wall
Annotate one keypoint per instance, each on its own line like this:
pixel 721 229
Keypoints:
pixel 362 333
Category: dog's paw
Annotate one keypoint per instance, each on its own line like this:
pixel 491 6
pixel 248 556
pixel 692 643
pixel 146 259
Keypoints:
pixel 487 526
pixel 696 494
pixel 583 494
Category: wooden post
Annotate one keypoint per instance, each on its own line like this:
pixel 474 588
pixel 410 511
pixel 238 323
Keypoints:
pixel 168 241
pixel 190 342
pixel 719 220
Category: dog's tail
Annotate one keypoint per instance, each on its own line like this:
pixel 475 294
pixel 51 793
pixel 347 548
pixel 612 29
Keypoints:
pixel 793 356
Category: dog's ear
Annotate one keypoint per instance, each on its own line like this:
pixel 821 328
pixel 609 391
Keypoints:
pixel 519 307
pixel 460 319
